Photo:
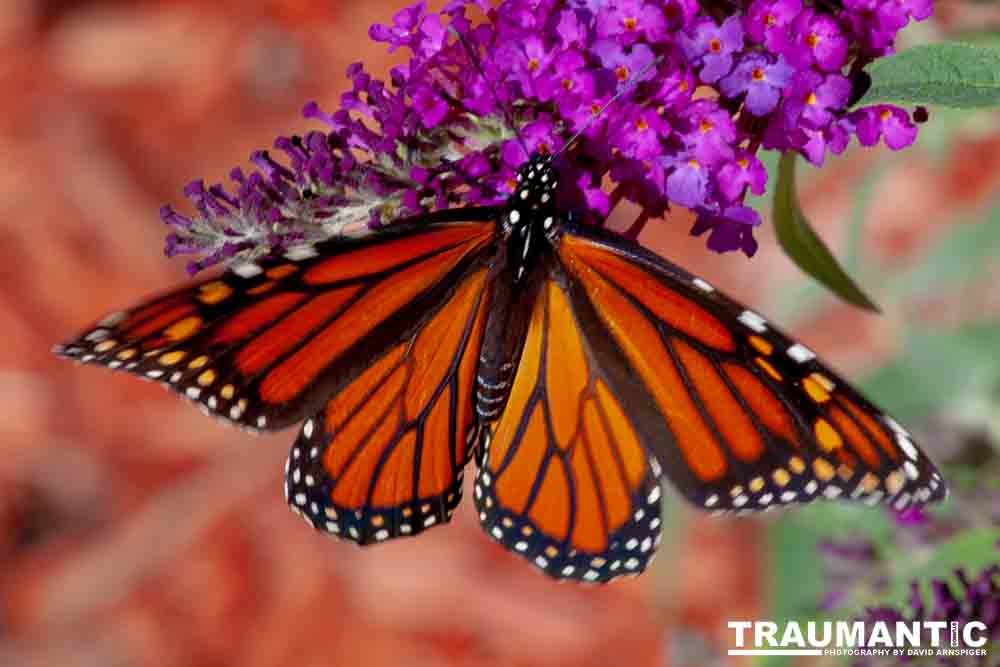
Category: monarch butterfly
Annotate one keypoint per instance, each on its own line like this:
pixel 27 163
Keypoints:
pixel 581 368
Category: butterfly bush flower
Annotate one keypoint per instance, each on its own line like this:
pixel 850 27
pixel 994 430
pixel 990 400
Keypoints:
pixel 711 46
pixel 674 99
pixel 972 599
pixel 856 564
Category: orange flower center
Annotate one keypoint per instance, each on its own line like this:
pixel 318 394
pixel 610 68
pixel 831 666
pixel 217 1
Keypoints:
pixel 757 74
pixel 641 125
pixel 533 64
pixel 630 23
pixel 705 126
pixel 715 46
pixel 812 40
pixel 622 73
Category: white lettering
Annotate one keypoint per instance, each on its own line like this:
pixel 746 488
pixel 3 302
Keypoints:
pixel 935 627
pixel 967 634
pixel 851 634
pixel 827 634
pixel 739 626
pixel 765 630
pixel 880 635
pixel 907 633
pixel 793 636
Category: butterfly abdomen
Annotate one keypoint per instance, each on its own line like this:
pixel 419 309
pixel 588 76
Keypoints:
pixel 506 329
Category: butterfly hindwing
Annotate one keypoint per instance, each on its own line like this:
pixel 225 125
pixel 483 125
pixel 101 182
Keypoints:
pixel 384 457
pixel 746 418
pixel 565 481
pixel 265 345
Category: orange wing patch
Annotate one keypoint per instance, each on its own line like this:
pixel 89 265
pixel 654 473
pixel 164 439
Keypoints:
pixel 565 481
pixel 381 300
pixel 735 425
pixel 515 487
pixel 160 322
pixel 668 305
pixel 256 317
pixel 647 352
pixel 385 457
pixel 762 402
pixel 552 510
pixel 871 427
pixel 285 336
pixel 856 437
pixel 391 254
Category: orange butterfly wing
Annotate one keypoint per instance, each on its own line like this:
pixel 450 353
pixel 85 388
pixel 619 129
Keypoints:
pixel 265 345
pixel 384 458
pixel 565 481
pixel 745 418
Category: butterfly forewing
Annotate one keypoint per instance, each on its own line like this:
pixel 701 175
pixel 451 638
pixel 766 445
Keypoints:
pixel 265 345
pixel 747 418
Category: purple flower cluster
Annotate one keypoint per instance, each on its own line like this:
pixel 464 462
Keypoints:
pixel 976 599
pixel 707 85
pixel 856 564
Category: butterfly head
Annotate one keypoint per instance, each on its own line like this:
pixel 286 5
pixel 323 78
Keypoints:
pixel 533 200
pixel 530 214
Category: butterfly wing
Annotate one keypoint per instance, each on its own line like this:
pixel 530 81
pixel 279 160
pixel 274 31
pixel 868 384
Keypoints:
pixel 384 457
pixel 265 345
pixel 745 418
pixel 376 339
pixel 565 481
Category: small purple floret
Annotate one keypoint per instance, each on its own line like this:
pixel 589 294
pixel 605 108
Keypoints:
pixel 729 229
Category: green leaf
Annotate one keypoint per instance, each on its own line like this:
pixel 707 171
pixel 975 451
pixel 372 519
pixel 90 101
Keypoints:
pixel 949 74
pixel 802 244
pixel 802 300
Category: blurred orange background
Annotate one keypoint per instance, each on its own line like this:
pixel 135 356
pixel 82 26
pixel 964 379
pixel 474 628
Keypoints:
pixel 137 532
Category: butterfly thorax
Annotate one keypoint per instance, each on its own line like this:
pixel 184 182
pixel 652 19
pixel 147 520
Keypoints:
pixel 530 215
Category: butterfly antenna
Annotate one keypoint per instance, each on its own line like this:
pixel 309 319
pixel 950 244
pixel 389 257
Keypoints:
pixel 614 98
pixel 473 56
